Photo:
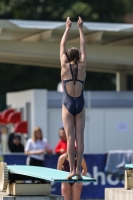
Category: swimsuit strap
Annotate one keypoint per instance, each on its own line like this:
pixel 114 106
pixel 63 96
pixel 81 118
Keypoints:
pixel 65 81
pixel 71 70
pixel 77 69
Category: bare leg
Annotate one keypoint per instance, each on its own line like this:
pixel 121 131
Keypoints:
pixel 79 131
pixel 68 121
pixel 76 191
pixel 66 191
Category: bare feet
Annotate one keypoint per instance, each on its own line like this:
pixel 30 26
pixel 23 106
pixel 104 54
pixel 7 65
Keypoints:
pixel 71 175
pixel 78 175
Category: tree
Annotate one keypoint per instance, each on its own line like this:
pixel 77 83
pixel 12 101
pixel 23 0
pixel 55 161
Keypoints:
pixel 103 11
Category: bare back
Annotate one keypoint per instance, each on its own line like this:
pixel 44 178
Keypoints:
pixel 73 90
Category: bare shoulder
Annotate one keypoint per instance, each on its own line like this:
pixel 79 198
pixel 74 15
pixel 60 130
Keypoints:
pixel 63 59
pixel 64 65
pixel 64 70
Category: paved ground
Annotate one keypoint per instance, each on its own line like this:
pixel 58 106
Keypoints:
pixel 3 194
pixel 61 198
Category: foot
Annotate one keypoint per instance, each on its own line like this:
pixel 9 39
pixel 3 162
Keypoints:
pixel 78 176
pixel 71 175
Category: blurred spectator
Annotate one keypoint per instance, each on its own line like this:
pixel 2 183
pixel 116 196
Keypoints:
pixel 16 145
pixel 36 147
pixel 48 147
pixel 10 141
pixel 61 147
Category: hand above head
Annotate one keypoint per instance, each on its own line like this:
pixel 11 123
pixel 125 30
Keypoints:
pixel 68 22
pixel 80 22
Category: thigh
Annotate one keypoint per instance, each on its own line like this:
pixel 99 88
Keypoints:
pixel 66 190
pixel 76 191
pixel 68 121
pixel 80 124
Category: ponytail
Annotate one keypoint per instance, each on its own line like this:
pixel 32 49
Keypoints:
pixel 73 55
pixel 75 71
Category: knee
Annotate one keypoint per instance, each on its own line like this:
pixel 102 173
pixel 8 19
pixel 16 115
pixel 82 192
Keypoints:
pixel 80 143
pixel 80 137
pixel 71 138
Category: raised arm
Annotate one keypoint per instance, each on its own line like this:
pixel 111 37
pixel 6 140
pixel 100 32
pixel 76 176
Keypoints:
pixel 63 57
pixel 82 41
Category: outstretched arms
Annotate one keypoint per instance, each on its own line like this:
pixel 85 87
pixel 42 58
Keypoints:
pixel 63 56
pixel 82 41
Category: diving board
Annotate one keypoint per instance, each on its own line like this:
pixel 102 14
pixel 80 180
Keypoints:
pixel 13 179
pixel 48 174
pixel 129 176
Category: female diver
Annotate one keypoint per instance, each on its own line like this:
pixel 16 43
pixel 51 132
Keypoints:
pixel 73 65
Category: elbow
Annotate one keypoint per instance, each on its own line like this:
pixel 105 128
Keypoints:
pixel 26 153
pixel 62 44
pixel 49 151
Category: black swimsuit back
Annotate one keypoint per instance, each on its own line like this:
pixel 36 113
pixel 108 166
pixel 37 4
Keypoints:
pixel 74 105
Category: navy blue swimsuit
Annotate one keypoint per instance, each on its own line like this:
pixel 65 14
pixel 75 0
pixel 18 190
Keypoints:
pixel 74 105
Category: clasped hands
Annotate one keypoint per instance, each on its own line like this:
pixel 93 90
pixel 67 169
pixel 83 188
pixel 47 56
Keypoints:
pixel 69 22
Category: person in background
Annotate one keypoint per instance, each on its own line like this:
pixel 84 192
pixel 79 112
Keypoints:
pixel 49 150
pixel 61 147
pixel 10 140
pixel 71 190
pixel 36 147
pixel 16 146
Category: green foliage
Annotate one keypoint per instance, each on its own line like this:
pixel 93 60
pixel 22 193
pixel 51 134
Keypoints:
pixel 74 11
pixel 92 10
pixel 2 102
pixel 17 78
pixel 112 10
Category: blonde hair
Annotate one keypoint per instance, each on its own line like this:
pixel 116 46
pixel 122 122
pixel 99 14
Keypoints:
pixel 36 129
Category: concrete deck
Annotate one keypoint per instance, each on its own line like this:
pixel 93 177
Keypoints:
pixel 4 196
pixel 118 194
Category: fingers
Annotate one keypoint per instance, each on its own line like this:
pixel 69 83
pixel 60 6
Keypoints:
pixel 68 19
pixel 80 18
pixel 80 22
pixel 68 22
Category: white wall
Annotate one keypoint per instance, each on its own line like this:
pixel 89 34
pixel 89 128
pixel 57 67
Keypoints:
pixel 118 129
pixel 95 131
pixel 109 129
